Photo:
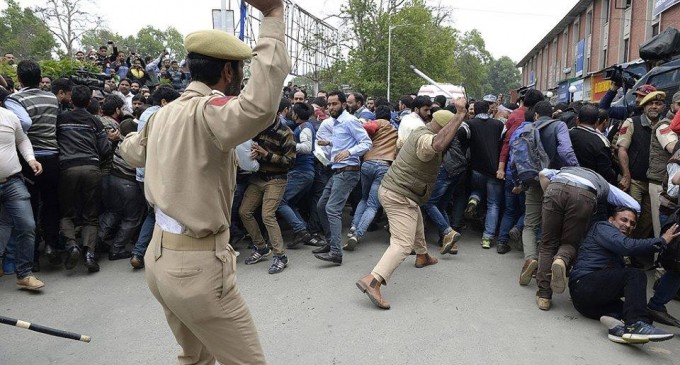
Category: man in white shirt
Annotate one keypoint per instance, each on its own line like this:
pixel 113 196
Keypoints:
pixel 420 114
pixel 15 204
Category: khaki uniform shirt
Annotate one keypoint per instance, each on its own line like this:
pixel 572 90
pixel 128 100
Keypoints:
pixel 190 159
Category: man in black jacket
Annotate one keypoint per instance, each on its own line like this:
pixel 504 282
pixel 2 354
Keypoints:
pixel 485 149
pixel 600 279
pixel 82 141
pixel 591 147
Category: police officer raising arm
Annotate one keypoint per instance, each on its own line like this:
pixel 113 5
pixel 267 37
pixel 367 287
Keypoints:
pixel 187 149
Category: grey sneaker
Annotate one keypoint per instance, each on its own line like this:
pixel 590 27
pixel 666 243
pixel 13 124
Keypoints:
pixel 616 328
pixel 351 243
pixel 279 263
pixel 258 255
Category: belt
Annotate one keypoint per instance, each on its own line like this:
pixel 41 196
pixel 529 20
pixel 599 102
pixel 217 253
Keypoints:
pixel 346 169
pixel 2 181
pixel 180 242
pixel 575 184
pixel 269 176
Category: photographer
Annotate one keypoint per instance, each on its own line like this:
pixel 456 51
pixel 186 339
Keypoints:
pixel 624 112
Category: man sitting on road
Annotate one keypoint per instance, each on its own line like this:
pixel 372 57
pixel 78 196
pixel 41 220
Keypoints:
pixel 600 278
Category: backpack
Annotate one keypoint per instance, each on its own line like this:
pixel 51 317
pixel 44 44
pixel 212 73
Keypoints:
pixel 529 156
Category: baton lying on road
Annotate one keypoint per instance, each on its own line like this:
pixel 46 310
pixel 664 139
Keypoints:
pixel 43 329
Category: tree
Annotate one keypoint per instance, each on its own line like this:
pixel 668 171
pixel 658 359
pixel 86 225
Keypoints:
pixel 367 29
pixel 472 59
pixel 94 38
pixel 68 20
pixel 502 75
pixel 23 34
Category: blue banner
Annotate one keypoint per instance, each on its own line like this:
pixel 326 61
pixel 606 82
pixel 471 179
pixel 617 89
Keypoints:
pixel 563 92
pixel 580 56
pixel 662 5
pixel 242 28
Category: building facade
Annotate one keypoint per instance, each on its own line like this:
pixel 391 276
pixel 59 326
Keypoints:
pixel 593 36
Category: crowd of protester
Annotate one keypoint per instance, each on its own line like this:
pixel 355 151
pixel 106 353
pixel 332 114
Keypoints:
pixel 587 199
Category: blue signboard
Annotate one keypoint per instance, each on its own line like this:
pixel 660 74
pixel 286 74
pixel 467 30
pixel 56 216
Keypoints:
pixel 662 5
pixel 563 92
pixel 580 56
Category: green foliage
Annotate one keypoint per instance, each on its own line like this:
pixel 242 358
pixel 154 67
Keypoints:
pixel 420 37
pixel 66 67
pixel 417 39
pixel 23 34
pixel 502 76
pixel 472 59
pixel 148 41
pixel 8 70
pixel 52 68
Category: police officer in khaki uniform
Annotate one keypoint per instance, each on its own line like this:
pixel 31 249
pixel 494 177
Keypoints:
pixel 406 186
pixel 187 149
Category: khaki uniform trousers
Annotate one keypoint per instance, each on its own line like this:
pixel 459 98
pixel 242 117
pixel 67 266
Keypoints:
pixel 268 195
pixel 639 190
pixel 406 230
pixel 655 191
pixel 196 286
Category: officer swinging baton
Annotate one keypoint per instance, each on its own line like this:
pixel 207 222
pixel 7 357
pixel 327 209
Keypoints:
pixel 43 329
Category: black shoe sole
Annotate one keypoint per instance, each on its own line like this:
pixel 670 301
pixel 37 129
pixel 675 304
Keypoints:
pixel 329 259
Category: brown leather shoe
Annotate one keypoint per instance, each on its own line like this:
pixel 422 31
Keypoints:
pixel 369 285
pixel 528 270
pixel 425 260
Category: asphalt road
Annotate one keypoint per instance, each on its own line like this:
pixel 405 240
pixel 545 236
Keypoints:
pixel 468 309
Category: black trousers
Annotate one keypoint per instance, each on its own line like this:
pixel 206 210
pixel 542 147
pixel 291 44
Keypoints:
pixel 80 196
pixel 126 214
pixel 599 293
pixel 44 190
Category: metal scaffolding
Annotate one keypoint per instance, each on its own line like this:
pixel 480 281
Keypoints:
pixel 313 44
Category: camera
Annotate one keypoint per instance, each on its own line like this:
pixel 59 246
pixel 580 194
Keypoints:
pixel 619 76
pixel 91 79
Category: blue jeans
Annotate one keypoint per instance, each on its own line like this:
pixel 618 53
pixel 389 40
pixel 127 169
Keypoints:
pixel 146 231
pixel 321 177
pixel 514 212
pixel 16 221
pixel 439 200
pixel 298 185
pixel 493 188
pixel 372 173
pixel 236 227
pixel 330 205
pixel 668 287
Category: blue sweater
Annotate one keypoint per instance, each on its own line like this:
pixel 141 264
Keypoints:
pixel 604 248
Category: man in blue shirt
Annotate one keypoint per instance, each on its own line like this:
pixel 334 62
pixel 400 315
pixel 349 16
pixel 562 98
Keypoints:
pixel 348 143
pixel 600 278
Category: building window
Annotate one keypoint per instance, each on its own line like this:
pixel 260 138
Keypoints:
pixel 655 29
pixel 604 58
pixel 605 11
pixel 626 49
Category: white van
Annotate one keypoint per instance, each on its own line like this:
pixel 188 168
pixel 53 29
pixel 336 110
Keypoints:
pixel 432 91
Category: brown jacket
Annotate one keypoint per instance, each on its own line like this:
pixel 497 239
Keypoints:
pixel 190 160
pixel 384 137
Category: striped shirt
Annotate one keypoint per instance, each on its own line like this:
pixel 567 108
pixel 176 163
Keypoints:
pixel 280 144
pixel 42 108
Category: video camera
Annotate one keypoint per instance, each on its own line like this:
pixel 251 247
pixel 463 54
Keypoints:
pixel 91 79
pixel 621 77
